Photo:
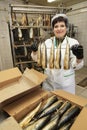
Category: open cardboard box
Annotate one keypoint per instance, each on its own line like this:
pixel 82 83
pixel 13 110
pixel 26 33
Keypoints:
pixel 27 92
pixel 14 84
pixel 9 124
pixel 27 104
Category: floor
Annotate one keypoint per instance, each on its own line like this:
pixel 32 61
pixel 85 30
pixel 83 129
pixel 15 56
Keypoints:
pixel 81 91
pixel 80 75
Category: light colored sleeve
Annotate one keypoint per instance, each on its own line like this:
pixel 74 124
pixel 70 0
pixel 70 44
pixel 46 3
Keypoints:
pixel 76 65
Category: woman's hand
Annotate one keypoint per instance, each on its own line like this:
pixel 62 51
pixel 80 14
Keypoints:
pixel 77 51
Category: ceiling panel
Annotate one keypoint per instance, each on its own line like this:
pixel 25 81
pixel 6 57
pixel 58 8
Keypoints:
pixel 56 3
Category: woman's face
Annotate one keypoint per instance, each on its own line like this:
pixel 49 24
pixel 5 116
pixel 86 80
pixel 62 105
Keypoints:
pixel 60 29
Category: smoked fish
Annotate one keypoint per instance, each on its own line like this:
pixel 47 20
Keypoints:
pixel 44 56
pixel 67 57
pixel 72 112
pixel 66 105
pixel 39 123
pixel 51 59
pixel 39 61
pixel 24 20
pixel 48 103
pixel 29 117
pixel 58 57
pixel 52 108
pixel 52 125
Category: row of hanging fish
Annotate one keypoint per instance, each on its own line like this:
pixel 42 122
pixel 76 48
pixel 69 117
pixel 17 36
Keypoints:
pixel 20 33
pixel 54 61
pixel 53 114
pixel 39 20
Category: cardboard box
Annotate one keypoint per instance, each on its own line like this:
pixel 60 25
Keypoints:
pixel 14 84
pixel 81 121
pixel 16 111
pixel 9 76
pixel 9 124
pixel 25 88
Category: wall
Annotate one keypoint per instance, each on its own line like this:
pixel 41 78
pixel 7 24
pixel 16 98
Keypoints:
pixel 78 16
pixel 5 49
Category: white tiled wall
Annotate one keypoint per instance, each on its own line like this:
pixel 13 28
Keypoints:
pixel 78 16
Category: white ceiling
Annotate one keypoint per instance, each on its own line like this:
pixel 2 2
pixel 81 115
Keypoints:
pixel 56 3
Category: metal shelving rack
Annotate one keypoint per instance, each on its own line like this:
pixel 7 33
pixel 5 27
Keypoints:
pixel 21 48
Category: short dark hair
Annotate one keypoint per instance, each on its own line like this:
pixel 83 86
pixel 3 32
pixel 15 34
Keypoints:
pixel 60 19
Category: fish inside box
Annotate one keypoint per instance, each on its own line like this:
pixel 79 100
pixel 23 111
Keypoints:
pixel 53 113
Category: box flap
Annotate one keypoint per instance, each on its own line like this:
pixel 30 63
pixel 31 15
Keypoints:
pixel 71 97
pixel 34 76
pixel 9 76
pixel 28 82
pixel 10 124
pixel 81 122
pixel 21 107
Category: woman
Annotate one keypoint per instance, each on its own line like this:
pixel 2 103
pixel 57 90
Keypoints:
pixel 64 76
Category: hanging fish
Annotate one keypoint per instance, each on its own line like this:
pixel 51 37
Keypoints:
pixel 67 57
pixel 25 49
pixel 31 32
pixel 39 55
pixel 51 59
pixel 58 57
pixel 44 56
pixel 71 113
pixel 39 21
pixel 29 117
pixel 19 31
pixel 47 20
pixel 13 18
pixel 24 20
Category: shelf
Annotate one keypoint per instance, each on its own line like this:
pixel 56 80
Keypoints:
pixel 28 24
pixel 20 56
pixel 26 27
pixel 24 62
pixel 16 46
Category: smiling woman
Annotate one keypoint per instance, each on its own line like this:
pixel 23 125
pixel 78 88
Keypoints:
pixel 61 59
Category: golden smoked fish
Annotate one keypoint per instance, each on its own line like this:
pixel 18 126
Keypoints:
pixel 25 122
pixel 58 57
pixel 67 57
pixel 44 56
pixel 39 55
pixel 24 20
pixel 51 59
